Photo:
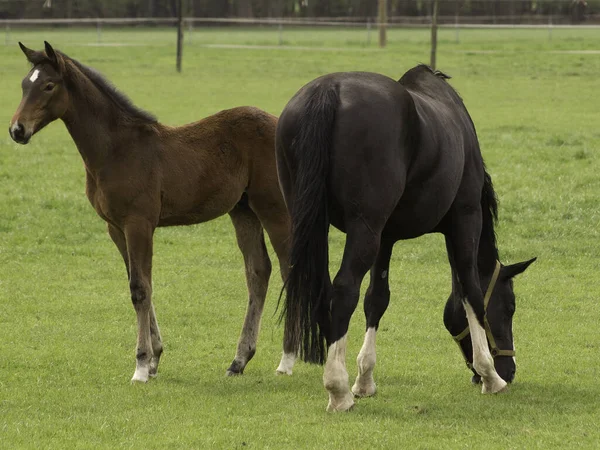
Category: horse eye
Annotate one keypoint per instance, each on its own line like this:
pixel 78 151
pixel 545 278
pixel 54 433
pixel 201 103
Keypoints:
pixel 49 87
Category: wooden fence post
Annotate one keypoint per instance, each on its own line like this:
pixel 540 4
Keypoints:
pixel 434 33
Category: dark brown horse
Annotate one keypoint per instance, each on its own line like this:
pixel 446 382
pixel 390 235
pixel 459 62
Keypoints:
pixel 142 175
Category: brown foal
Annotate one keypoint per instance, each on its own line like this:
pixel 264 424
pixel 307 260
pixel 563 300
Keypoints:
pixel 142 175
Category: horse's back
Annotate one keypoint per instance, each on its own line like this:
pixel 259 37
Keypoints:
pixel 391 153
pixel 207 165
pixel 367 154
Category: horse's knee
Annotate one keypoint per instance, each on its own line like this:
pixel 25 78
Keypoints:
pixel 263 270
pixel 259 272
pixel 139 293
pixel 346 291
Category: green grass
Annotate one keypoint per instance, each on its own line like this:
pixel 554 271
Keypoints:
pixel 67 328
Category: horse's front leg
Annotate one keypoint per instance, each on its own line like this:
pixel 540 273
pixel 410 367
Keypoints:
pixel 118 238
pixel 138 233
pixel 463 245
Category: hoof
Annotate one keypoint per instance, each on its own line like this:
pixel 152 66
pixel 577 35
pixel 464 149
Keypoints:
pixel 476 379
pixel 345 404
pixel 234 369
pixel 140 376
pixel 496 387
pixel 286 364
pixel 364 391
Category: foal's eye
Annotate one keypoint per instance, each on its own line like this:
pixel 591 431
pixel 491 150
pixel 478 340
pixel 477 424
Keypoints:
pixel 49 87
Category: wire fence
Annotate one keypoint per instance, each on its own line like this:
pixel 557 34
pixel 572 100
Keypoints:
pixel 272 32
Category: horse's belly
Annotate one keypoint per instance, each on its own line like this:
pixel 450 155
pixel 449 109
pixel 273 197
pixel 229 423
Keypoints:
pixel 419 213
pixel 184 209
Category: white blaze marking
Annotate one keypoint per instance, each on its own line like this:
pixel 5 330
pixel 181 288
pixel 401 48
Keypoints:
pixel 14 127
pixel 34 75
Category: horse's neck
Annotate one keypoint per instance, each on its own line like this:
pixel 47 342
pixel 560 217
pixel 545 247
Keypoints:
pixel 93 122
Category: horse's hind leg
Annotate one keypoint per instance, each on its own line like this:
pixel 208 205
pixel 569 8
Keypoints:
pixel 270 209
pixel 463 244
pixel 251 242
pixel 279 234
pixel 157 345
pixel 118 238
pixel 360 251
pixel 376 302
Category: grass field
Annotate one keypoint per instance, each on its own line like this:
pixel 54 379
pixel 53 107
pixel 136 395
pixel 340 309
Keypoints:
pixel 67 327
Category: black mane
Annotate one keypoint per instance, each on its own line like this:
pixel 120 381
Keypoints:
pixel 424 79
pixel 489 215
pixel 107 88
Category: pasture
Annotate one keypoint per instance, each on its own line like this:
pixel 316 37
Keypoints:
pixel 67 327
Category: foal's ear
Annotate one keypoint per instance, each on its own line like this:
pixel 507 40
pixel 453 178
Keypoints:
pixel 515 269
pixel 51 54
pixel 28 52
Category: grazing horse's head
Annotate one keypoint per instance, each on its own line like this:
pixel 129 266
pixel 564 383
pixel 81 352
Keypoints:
pixel 45 96
pixel 500 308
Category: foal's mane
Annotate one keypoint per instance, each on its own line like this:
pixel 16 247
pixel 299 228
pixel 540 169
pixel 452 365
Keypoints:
pixel 108 89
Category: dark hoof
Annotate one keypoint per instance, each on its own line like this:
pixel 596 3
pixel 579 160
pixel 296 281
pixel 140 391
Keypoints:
pixel 476 380
pixel 234 369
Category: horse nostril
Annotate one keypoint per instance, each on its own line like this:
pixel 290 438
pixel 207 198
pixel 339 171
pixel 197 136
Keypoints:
pixel 17 131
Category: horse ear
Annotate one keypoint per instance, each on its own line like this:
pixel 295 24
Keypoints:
pixel 516 269
pixel 50 53
pixel 28 52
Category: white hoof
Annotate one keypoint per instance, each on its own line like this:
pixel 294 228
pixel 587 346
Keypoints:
pixel 286 364
pixel 283 371
pixel 140 376
pixel 495 386
pixel 367 389
pixel 345 403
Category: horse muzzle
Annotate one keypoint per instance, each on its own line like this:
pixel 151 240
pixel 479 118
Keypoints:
pixel 18 133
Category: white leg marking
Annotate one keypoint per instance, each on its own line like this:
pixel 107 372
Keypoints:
pixel 483 362
pixel 34 75
pixel 287 364
pixel 364 386
pixel 141 374
pixel 335 377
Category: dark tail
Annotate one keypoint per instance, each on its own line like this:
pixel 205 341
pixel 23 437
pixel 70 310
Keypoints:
pixel 307 303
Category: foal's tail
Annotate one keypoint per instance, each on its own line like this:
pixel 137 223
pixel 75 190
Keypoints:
pixel 307 303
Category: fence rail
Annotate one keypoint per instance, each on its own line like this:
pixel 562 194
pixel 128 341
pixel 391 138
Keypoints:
pixel 541 21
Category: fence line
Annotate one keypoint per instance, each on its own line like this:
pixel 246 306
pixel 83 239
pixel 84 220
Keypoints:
pixel 394 22
pixel 397 22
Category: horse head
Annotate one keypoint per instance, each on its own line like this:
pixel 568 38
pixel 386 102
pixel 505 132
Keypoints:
pixel 500 308
pixel 45 97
